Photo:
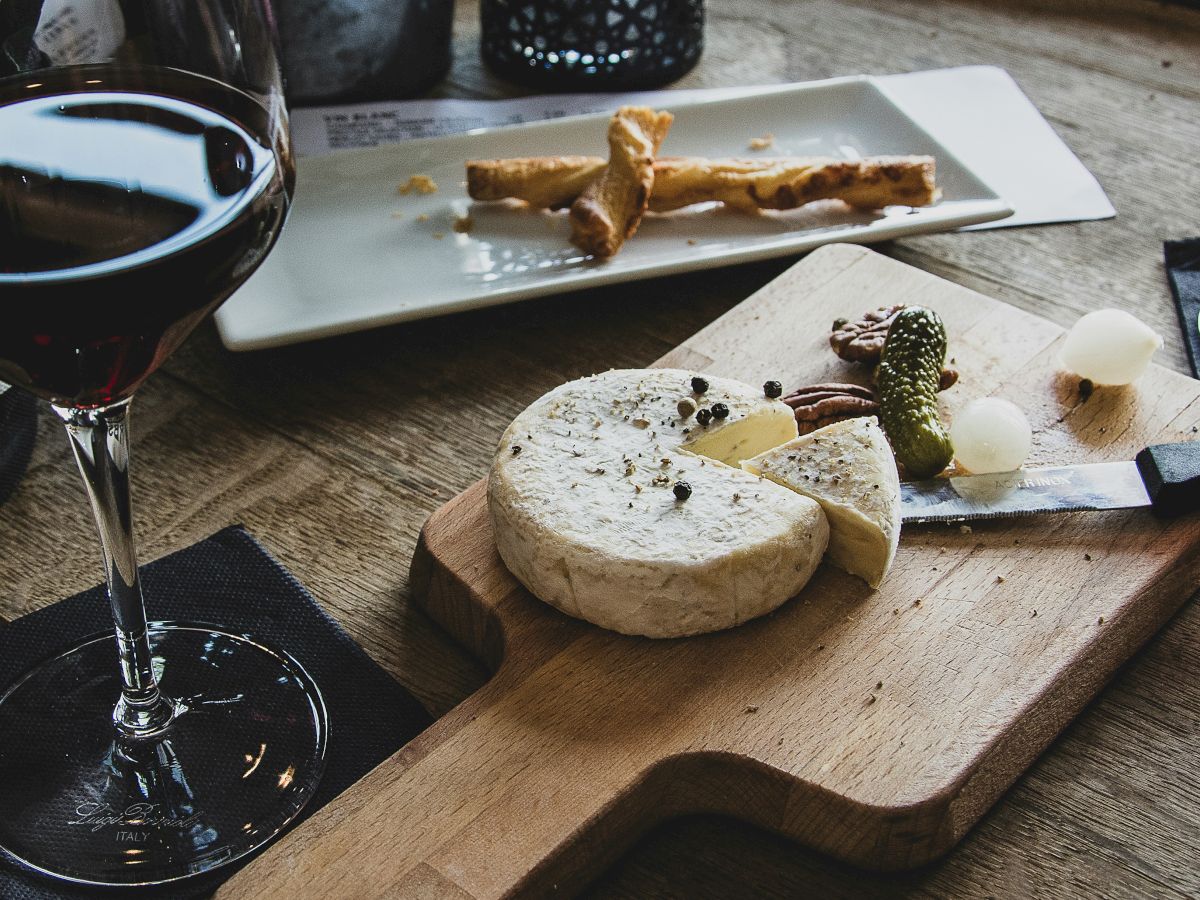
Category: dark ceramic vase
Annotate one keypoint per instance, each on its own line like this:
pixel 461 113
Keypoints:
pixel 346 51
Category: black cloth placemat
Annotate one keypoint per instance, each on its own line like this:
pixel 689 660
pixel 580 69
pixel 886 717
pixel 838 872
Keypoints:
pixel 1183 272
pixel 230 580
pixel 18 428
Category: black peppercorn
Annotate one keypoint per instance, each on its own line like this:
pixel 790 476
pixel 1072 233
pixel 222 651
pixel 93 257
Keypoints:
pixel 682 490
pixel 773 389
pixel 704 416
pixel 720 411
pixel 699 385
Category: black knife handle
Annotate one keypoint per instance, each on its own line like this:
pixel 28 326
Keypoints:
pixel 1171 473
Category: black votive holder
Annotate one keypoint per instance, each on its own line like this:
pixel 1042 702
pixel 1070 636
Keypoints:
pixel 591 45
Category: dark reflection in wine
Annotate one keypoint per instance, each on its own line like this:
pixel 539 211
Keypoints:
pixel 54 223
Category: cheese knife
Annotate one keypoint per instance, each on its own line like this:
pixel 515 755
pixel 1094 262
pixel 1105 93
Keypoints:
pixel 1164 477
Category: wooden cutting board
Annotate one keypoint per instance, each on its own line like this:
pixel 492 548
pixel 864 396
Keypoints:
pixel 877 726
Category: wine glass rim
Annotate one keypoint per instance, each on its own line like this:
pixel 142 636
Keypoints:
pixel 178 242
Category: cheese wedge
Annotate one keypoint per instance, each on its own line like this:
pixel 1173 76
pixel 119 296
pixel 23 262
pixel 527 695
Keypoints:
pixel 849 469
pixel 586 512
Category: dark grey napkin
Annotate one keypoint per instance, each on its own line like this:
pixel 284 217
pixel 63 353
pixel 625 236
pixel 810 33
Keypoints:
pixel 18 428
pixel 231 580
pixel 1183 272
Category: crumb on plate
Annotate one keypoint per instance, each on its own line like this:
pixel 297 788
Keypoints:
pixel 422 184
pixel 463 225
pixel 762 143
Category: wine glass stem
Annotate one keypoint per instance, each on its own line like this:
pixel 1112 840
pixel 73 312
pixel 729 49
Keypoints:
pixel 100 439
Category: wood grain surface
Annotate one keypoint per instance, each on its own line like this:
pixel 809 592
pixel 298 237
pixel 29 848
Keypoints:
pixel 334 453
pixel 874 725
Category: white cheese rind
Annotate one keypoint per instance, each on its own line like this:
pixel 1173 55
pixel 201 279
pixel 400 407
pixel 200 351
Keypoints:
pixel 584 515
pixel 848 468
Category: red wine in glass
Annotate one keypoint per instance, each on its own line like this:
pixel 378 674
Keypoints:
pixel 132 202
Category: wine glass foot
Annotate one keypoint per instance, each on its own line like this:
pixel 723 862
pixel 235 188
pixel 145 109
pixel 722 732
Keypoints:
pixel 78 802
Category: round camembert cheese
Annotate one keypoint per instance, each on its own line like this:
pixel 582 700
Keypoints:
pixel 587 515
pixel 849 469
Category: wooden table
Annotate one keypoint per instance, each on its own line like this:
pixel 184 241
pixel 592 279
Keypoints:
pixel 334 453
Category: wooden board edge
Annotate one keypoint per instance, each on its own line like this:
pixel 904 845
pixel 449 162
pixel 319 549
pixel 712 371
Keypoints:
pixel 475 625
pixel 1077 685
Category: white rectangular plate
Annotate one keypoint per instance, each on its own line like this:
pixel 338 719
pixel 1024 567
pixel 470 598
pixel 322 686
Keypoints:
pixel 357 254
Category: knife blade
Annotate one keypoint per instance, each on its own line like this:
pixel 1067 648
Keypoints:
pixel 1164 477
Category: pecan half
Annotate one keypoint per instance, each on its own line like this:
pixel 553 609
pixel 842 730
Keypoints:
pixel 823 404
pixel 862 341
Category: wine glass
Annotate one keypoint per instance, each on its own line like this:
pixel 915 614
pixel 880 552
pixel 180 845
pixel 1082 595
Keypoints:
pixel 145 172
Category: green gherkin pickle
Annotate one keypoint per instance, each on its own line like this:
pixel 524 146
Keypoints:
pixel 908 376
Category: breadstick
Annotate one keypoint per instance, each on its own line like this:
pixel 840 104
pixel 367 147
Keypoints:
pixel 745 184
pixel 550 182
pixel 610 208
pixel 752 185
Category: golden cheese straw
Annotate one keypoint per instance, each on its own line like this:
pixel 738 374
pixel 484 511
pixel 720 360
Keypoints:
pixel 747 184
pixel 550 182
pixel 608 211
pixel 786 183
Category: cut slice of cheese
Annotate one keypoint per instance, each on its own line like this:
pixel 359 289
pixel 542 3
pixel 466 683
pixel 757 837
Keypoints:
pixel 849 469
pixel 585 514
